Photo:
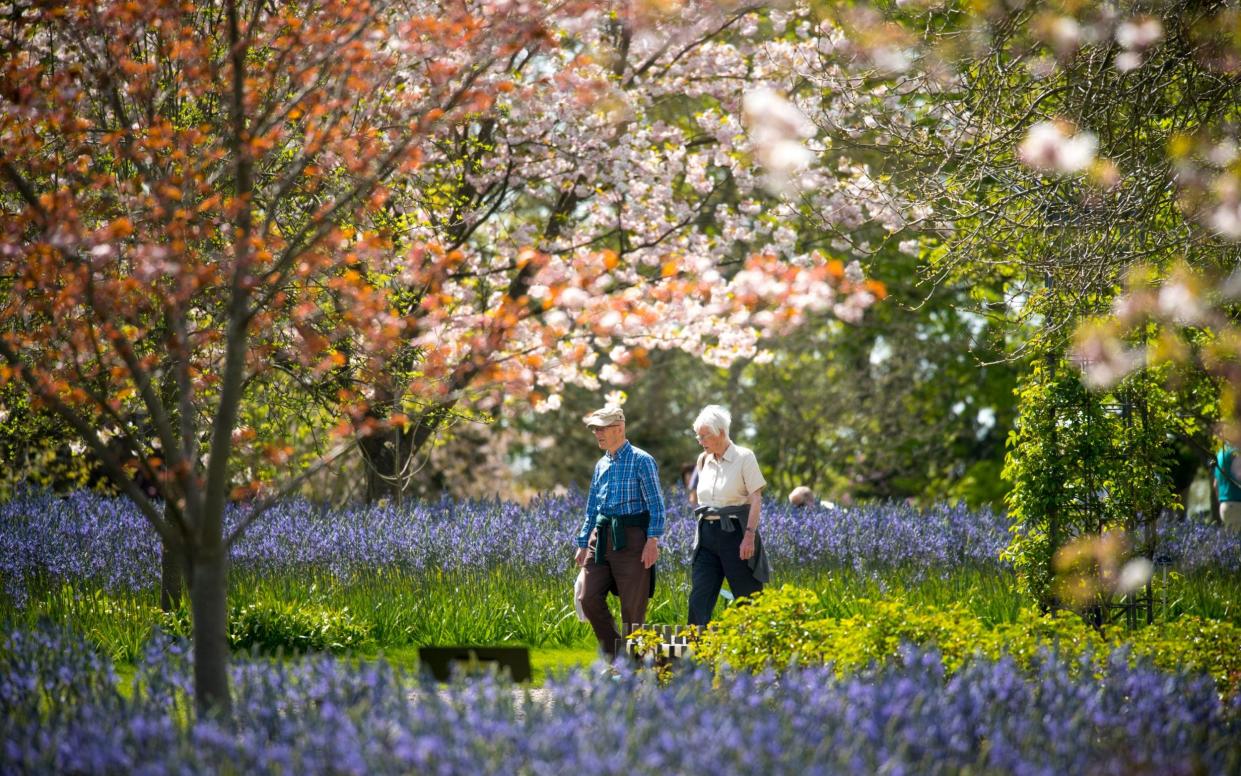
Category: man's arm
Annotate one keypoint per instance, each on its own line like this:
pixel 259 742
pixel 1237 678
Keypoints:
pixel 653 498
pixel 592 509
pixel 754 483
pixel 693 482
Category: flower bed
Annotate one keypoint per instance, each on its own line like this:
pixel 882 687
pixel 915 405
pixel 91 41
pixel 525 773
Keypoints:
pixel 87 538
pixel 60 712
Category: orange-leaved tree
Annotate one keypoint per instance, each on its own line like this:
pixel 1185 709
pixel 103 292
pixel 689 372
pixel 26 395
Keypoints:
pixel 181 181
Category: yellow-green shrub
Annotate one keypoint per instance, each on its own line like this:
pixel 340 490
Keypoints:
pixel 1210 646
pixel 787 624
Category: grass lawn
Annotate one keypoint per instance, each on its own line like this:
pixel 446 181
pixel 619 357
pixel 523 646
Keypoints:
pixel 551 661
pixel 544 661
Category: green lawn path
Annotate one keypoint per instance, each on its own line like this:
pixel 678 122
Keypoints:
pixel 545 662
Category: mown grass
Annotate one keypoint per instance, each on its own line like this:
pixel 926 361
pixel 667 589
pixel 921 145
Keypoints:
pixel 545 662
pixel 402 611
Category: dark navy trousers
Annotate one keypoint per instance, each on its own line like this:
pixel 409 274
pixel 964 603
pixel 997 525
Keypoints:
pixel 718 558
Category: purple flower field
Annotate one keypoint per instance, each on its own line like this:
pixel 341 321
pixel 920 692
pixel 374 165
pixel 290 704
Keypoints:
pixel 103 541
pixel 60 710
pixel 323 716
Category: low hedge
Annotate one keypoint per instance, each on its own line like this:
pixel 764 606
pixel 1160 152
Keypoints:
pixel 786 625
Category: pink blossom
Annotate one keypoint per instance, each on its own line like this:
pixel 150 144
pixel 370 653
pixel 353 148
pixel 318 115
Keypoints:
pixel 1180 303
pixel 1128 61
pixel 1104 359
pixel 1065 34
pixel 1225 219
pixel 1139 34
pixel 1052 146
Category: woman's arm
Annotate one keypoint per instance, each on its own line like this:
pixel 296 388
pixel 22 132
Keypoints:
pixel 756 505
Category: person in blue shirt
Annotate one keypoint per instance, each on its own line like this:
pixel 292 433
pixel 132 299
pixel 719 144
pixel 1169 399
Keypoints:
pixel 1228 485
pixel 618 543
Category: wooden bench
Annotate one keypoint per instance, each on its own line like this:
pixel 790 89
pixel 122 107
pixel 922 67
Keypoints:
pixel 441 661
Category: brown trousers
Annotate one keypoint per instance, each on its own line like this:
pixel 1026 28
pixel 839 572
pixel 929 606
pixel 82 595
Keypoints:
pixel 633 584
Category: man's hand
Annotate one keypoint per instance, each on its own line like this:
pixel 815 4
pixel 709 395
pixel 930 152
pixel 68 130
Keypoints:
pixel 650 553
pixel 747 546
pixel 582 554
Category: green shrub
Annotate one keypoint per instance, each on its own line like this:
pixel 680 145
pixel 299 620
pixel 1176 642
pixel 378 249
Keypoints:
pixel 294 627
pixel 1210 646
pixel 271 626
pixel 788 624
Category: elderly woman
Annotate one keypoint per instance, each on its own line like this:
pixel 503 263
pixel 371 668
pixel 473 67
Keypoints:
pixel 728 499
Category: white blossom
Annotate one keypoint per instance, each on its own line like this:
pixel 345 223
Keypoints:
pixel 1179 302
pixel 1133 576
pixel 1139 34
pixel 1128 61
pixel 1049 146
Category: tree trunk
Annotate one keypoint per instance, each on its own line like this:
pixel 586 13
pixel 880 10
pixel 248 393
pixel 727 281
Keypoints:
pixel 172 575
pixel 1216 519
pixel 383 467
pixel 209 604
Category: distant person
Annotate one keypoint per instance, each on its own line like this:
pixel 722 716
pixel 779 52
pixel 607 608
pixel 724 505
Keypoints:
pixel 729 498
pixel 1228 484
pixel 619 540
pixel 689 481
pixel 687 474
pixel 801 496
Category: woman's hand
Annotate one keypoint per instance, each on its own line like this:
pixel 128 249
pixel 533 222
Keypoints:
pixel 747 545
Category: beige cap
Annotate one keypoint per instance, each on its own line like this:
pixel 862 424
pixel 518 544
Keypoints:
pixel 605 417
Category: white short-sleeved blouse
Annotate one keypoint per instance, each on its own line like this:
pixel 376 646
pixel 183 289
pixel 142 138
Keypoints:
pixel 730 480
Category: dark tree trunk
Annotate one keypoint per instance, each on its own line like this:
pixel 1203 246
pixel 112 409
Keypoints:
pixel 172 575
pixel 209 604
pixel 1182 495
pixel 385 462
pixel 389 456
pixel 1215 515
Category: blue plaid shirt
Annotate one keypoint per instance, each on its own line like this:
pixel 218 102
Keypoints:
pixel 626 483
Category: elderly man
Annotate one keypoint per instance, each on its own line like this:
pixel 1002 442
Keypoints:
pixel 619 541
pixel 729 498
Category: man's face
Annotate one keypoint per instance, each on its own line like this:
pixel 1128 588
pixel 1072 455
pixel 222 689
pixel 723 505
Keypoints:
pixel 609 437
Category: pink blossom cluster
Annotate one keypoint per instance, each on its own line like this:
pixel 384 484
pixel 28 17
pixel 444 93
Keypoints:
pixel 636 175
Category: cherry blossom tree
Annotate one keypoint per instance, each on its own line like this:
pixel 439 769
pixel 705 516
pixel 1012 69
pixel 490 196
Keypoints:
pixel 626 194
pixel 396 209
pixel 181 185
pixel 1012 146
pixel 1047 156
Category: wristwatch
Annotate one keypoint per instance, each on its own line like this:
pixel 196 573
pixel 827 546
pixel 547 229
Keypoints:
pixel 751 530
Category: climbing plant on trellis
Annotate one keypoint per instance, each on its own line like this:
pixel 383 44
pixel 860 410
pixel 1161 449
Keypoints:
pixel 1082 464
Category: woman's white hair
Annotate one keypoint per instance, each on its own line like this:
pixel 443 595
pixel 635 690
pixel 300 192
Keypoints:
pixel 714 418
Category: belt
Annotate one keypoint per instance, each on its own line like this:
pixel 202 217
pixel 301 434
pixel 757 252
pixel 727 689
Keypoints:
pixel 613 524
pixel 730 518
pixel 732 515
